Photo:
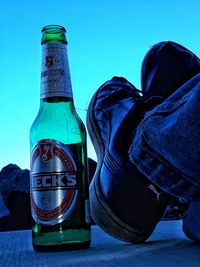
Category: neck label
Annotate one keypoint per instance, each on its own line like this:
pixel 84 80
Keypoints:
pixel 55 74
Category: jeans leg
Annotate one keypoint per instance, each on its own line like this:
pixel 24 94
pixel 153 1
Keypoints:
pixel 166 146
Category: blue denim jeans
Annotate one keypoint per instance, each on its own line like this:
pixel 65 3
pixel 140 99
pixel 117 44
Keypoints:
pixel 166 146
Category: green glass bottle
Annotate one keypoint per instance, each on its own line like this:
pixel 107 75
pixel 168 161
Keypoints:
pixel 59 173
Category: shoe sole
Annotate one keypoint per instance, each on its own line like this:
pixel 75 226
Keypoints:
pixel 100 212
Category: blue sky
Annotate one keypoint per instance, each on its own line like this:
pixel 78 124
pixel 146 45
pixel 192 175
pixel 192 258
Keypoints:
pixel 106 38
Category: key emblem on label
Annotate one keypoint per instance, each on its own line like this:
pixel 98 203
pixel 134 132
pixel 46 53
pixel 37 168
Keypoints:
pixel 54 185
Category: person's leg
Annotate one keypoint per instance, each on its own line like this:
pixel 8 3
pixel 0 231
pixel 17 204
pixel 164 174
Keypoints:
pixel 122 199
pixel 166 146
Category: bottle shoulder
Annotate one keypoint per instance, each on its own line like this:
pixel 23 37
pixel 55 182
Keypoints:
pixel 66 127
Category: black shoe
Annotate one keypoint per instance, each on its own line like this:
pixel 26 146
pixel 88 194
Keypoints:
pixel 166 67
pixel 123 202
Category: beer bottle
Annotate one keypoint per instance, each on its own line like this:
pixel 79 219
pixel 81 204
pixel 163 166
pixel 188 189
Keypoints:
pixel 59 177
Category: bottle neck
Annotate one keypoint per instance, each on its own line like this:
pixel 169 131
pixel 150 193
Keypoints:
pixel 55 74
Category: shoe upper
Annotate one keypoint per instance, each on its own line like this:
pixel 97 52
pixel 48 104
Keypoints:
pixel 113 102
pixel 166 67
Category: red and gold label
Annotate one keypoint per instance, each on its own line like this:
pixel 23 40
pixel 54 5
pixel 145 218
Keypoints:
pixel 54 182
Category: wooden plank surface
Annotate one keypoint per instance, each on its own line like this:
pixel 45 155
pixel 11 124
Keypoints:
pixel 167 247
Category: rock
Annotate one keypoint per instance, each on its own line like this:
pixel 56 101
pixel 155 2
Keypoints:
pixel 15 211
pixel 12 178
pixel 15 200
